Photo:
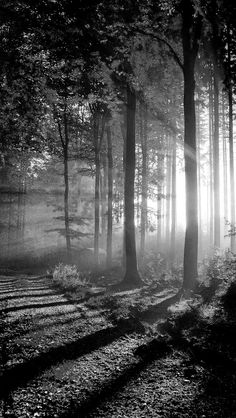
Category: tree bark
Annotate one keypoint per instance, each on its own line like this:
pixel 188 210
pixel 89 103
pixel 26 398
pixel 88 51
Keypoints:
pixel 66 200
pixel 231 149
pixel 65 144
pixel 190 38
pixel 131 274
pixel 173 206
pixel 97 192
pixel 211 206
pixel 216 165
pixel 144 186
pixel 110 197
pixel 225 159
pixel 66 179
pixel 168 194
pixel 103 188
pixel 198 134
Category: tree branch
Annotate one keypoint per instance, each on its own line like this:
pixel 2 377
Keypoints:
pixel 167 43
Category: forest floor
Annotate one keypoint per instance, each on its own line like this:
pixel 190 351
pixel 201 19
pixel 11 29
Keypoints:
pixel 73 358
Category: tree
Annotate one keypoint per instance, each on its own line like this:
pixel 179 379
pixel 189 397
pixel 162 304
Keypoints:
pixel 144 190
pixel 110 196
pixel 191 31
pixel 132 276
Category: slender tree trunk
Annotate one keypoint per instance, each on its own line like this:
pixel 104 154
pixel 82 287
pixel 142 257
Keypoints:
pixel 159 216
pixel 97 192
pixel 138 183
pixel 124 133
pixel 65 146
pixel 131 274
pixel 103 186
pixel 66 179
pixel 211 212
pixel 173 206
pixel 159 162
pixel 198 130
pixel 66 201
pixel 144 186
pixel 225 160
pixel 168 194
pixel 231 149
pixel 110 197
pixel 190 38
pixel 216 165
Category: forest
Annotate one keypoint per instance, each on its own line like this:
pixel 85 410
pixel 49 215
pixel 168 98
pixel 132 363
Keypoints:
pixel 117 208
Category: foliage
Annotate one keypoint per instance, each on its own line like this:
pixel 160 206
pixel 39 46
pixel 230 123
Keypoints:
pixel 228 300
pixel 206 325
pixel 156 272
pixel 68 278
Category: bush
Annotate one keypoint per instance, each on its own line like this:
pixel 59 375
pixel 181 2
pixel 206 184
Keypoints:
pixel 68 278
pixel 215 277
pixel 228 300
pixel 156 272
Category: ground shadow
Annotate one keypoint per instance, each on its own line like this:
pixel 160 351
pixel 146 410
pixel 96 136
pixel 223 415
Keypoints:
pixel 111 387
pixel 21 374
pixel 27 296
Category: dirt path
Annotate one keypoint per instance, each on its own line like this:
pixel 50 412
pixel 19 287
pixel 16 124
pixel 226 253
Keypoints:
pixel 65 359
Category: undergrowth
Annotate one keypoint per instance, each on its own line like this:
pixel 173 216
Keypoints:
pixel 206 324
pixel 69 279
pixel 156 271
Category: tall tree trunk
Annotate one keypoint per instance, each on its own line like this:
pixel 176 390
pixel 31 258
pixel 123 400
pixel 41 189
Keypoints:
pixel 131 274
pixel 168 194
pixel 211 206
pixel 110 197
pixel 225 159
pixel 144 185
pixel 103 187
pixel 124 133
pixel 159 166
pixel 65 146
pixel 97 192
pixel 66 201
pixel 159 216
pixel 191 27
pixel 198 131
pixel 138 184
pixel 173 205
pixel 231 148
pixel 216 155
pixel 66 179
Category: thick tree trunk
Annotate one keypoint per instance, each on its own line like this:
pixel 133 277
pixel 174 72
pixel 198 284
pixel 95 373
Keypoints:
pixel 110 197
pixel 190 38
pixel 191 235
pixel 144 186
pixel 131 274
pixel 216 161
